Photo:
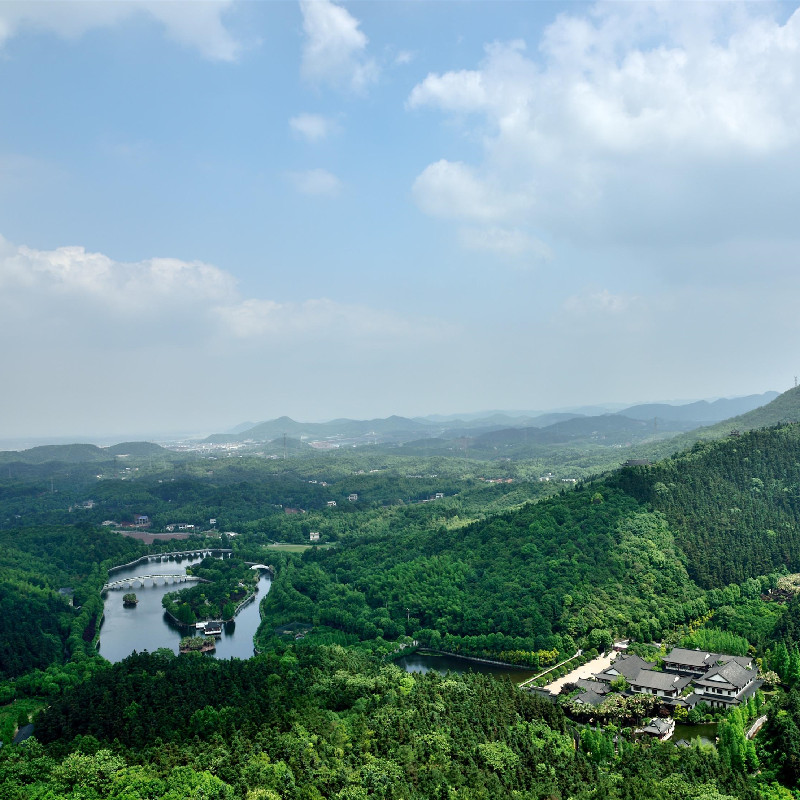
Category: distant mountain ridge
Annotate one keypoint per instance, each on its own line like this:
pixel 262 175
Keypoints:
pixel 601 423
pixel 784 408
pixel 639 423
pixel 700 411
pixel 387 429
pixel 81 453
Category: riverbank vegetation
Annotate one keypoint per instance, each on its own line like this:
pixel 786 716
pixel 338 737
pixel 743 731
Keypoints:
pixel 226 584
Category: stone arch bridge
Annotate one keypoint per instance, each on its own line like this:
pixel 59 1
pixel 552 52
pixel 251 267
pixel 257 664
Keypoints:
pixel 131 583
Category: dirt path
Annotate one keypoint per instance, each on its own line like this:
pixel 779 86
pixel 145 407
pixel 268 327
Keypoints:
pixel 585 671
pixel 756 726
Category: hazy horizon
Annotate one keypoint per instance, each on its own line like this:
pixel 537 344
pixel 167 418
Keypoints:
pixel 221 211
pixel 105 439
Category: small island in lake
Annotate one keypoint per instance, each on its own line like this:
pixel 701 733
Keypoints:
pixel 130 600
pixel 196 644
pixel 224 586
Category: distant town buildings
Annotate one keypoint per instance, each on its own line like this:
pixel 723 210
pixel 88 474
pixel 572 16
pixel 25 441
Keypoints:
pixel 313 536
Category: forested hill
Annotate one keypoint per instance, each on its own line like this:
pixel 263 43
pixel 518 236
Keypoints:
pixel 81 453
pixel 733 504
pixel 628 554
pixel 784 408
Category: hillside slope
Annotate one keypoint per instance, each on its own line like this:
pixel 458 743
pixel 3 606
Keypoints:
pixel 784 408
pixel 631 554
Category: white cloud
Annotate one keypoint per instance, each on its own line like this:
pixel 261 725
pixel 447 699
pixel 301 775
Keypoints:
pixel 599 302
pixel 454 91
pixel 334 51
pixel 90 294
pixel 632 122
pixel 504 241
pixel 316 182
pixel 454 190
pixel 197 24
pixel 313 127
pixel 69 274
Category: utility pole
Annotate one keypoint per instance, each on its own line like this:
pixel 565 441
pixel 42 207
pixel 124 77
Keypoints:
pixel 284 447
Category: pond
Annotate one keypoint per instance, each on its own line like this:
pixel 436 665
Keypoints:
pixel 146 627
pixel 427 662
pixel 706 733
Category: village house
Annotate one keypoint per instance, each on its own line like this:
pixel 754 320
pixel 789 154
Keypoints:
pixel 627 667
pixel 698 662
pixel 689 677
pixel 725 685
pixel 661 684
pixel 352 497
pixel 313 536
pixel 592 692
pixel 660 728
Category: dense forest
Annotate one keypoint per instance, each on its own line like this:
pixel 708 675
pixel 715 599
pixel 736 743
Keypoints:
pixel 39 623
pixel 327 722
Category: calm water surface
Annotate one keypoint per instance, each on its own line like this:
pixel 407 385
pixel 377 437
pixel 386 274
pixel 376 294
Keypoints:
pixel 424 662
pixel 147 628
pixel 707 733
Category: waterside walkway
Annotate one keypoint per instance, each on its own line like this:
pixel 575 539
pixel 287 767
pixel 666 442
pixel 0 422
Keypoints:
pixel 599 664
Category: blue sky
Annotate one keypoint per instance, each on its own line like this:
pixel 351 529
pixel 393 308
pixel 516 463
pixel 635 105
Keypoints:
pixel 233 210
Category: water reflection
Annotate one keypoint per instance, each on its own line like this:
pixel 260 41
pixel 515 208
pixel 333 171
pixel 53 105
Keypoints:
pixel 146 627
pixel 706 733
pixel 427 662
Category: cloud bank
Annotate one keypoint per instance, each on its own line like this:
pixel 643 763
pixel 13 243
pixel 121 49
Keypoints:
pixel 625 124
pixel 196 25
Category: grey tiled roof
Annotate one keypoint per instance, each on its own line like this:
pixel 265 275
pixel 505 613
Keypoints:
pixel 590 698
pixel 594 686
pixel 690 658
pixel 658 726
pixel 629 666
pixel 734 674
pixel 697 659
pixel 665 681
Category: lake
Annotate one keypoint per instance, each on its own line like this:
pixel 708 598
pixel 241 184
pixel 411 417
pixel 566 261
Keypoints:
pixel 146 627
pixel 427 662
